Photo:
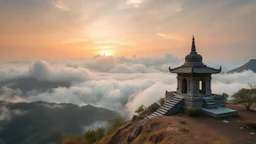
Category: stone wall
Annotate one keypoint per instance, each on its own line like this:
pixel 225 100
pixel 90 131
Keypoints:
pixel 193 103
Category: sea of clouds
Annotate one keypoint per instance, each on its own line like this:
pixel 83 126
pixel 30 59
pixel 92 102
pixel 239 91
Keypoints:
pixel 117 83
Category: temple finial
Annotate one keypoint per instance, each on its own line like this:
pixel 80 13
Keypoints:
pixel 193 47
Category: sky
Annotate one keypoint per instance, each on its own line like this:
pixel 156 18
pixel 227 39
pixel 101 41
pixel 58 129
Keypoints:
pixel 78 29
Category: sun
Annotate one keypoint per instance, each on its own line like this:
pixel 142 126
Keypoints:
pixel 106 53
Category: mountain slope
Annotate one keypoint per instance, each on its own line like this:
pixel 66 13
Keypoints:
pixel 43 123
pixel 251 65
pixel 183 130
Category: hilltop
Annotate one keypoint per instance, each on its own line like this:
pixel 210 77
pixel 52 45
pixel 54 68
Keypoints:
pixel 251 65
pixel 185 130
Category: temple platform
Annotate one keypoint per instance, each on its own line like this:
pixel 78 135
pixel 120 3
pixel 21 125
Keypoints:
pixel 219 112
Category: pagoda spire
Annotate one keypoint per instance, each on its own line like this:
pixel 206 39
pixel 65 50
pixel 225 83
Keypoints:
pixel 193 47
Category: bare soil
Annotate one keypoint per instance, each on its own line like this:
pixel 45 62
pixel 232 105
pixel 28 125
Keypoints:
pixel 200 130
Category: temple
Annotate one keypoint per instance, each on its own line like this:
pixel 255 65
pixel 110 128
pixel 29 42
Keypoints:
pixel 194 89
pixel 194 81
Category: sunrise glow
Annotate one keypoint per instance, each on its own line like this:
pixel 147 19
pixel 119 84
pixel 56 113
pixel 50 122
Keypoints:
pixel 106 53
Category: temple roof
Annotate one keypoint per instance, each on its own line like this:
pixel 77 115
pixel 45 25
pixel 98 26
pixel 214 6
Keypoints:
pixel 194 63
pixel 195 69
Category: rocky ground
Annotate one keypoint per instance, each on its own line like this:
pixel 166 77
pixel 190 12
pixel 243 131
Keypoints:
pixel 181 129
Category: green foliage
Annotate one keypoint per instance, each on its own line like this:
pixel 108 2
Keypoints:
pixel 226 96
pixel 140 109
pixel 100 132
pixel 250 124
pixel 152 108
pixel 193 112
pixel 246 96
pixel 161 101
pixel 73 140
pixel 143 138
pixel 114 124
pixel 90 136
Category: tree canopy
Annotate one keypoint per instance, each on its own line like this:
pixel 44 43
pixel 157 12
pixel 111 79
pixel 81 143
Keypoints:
pixel 246 96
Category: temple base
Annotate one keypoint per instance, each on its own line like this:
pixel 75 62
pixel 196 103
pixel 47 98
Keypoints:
pixel 212 105
pixel 220 112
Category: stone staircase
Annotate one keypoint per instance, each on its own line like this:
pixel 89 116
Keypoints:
pixel 215 109
pixel 210 103
pixel 167 108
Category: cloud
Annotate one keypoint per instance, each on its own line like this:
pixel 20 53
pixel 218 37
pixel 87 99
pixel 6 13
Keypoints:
pixel 7 114
pixel 117 83
pixel 132 65
pixel 59 4
pixel 43 71
pixel 229 23
pixel 95 125
pixel 11 95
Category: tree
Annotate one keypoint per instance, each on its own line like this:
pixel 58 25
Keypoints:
pixel 114 124
pixel 226 96
pixel 140 109
pixel 246 96
pixel 161 101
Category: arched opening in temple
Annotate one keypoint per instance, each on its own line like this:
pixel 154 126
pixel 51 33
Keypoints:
pixel 184 86
pixel 202 86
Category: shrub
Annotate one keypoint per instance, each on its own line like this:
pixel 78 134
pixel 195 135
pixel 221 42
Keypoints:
pixel 143 138
pixel 152 108
pixel 193 112
pixel 250 124
pixel 140 109
pixel 161 101
pixel 114 124
pixel 73 140
pixel 90 136
pixel 100 132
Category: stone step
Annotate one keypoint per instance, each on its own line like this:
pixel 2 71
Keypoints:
pixel 212 106
pixel 159 114
pixel 154 114
pixel 173 100
pixel 176 97
pixel 169 104
pixel 162 111
pixel 210 103
pixel 165 108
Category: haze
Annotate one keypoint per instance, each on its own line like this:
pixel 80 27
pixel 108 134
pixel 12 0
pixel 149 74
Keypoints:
pixel 74 29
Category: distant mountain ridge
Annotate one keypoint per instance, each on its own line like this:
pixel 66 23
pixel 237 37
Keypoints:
pixel 47 123
pixel 251 65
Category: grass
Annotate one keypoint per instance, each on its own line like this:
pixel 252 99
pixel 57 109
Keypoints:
pixel 143 138
pixel 193 112
pixel 250 124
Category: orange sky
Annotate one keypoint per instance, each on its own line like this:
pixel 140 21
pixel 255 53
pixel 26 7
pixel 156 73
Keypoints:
pixel 64 29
